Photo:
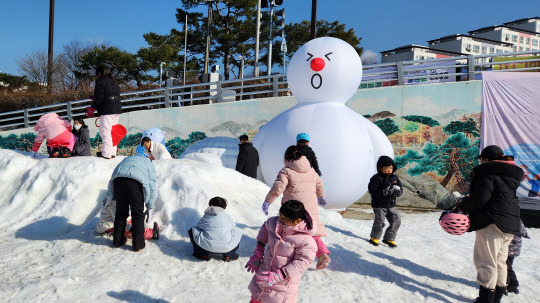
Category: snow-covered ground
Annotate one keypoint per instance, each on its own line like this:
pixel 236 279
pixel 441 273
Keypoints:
pixel 49 251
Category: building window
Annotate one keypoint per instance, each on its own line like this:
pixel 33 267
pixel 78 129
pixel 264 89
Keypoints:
pixel 535 42
pixel 484 49
pixel 476 49
pixel 528 41
pixel 521 48
pixel 507 37
pixel 500 51
pixel 527 49
pixel 491 50
pixel 468 47
pixel 521 40
pixel 514 38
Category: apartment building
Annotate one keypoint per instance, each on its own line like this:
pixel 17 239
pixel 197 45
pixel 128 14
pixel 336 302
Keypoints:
pixel 521 39
pixel 528 24
pixel 414 52
pixel 470 45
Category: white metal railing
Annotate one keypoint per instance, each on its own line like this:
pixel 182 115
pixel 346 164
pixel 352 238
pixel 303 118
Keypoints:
pixel 449 69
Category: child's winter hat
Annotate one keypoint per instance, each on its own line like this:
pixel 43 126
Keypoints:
pixel 386 161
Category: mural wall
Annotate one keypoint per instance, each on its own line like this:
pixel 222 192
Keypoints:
pixel 434 128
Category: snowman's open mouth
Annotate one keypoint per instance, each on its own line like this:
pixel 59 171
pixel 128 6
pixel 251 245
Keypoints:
pixel 316 81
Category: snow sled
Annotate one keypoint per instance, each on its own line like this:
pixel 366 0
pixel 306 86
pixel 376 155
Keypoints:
pixel 118 132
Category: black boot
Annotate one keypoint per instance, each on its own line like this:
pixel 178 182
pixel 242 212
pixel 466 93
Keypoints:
pixel 155 234
pixel 499 292
pixel 485 295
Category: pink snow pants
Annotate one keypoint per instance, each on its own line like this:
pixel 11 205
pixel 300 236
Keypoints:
pixel 321 248
pixel 106 123
pixel 66 139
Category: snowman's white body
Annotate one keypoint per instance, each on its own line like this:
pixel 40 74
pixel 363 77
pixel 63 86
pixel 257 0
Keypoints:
pixel 323 74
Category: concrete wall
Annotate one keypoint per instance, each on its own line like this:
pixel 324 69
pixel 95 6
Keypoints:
pixel 413 117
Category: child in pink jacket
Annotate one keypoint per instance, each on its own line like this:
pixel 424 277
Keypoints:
pixel 299 181
pixel 57 131
pixel 290 249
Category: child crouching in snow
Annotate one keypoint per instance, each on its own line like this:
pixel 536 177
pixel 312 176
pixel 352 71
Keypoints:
pixel 290 249
pixel 299 181
pixel 106 222
pixel 215 233
pixel 384 187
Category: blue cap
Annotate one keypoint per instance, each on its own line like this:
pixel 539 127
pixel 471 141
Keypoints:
pixel 140 151
pixel 302 136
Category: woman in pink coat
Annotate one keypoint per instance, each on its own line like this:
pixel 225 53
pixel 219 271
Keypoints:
pixel 299 181
pixel 290 249
pixel 57 131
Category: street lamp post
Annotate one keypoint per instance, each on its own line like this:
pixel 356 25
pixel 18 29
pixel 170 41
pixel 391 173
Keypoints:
pixel 269 71
pixel 257 34
pixel 50 54
pixel 207 52
pixel 313 19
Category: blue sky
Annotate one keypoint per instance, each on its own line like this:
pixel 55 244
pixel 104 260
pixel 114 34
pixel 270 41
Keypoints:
pixel 383 25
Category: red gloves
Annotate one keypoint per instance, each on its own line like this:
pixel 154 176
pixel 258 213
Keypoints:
pixel 90 112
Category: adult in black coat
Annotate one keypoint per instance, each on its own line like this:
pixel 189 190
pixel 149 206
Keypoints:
pixel 495 216
pixel 82 144
pixel 248 158
pixel 107 102
pixel 106 94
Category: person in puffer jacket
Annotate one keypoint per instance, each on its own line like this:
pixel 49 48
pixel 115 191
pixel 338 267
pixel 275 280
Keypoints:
pixel 132 185
pixel 494 213
pixel 285 249
pixel 57 131
pixel 109 106
pixel 215 233
pixel 384 187
pixel 514 249
pixel 106 222
pixel 299 181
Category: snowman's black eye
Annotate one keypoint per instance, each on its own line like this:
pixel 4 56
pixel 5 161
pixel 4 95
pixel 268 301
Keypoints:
pixel 310 56
pixel 327 56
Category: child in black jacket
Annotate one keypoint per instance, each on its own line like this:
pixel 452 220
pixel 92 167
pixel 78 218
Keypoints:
pixel 384 187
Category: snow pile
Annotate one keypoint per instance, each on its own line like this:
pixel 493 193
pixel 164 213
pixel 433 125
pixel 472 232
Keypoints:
pixel 50 252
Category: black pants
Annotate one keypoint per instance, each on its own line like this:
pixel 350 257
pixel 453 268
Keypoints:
pixel 129 194
pixel 201 252
pixel 512 280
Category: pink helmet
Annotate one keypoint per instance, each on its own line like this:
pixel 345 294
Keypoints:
pixel 454 223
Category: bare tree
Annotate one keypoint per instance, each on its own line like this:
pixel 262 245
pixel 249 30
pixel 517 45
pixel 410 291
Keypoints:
pixel 369 57
pixel 34 66
pixel 71 53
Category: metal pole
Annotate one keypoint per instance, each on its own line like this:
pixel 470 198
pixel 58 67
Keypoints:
pixel 257 34
pixel 185 50
pixel 242 68
pixel 284 62
pixel 160 73
pixel 313 19
pixel 50 57
pixel 269 71
pixel 207 54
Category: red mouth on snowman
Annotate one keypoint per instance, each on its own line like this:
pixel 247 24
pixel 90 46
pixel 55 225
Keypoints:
pixel 317 65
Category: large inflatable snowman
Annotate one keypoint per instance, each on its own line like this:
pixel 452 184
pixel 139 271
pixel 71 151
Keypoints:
pixel 323 74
